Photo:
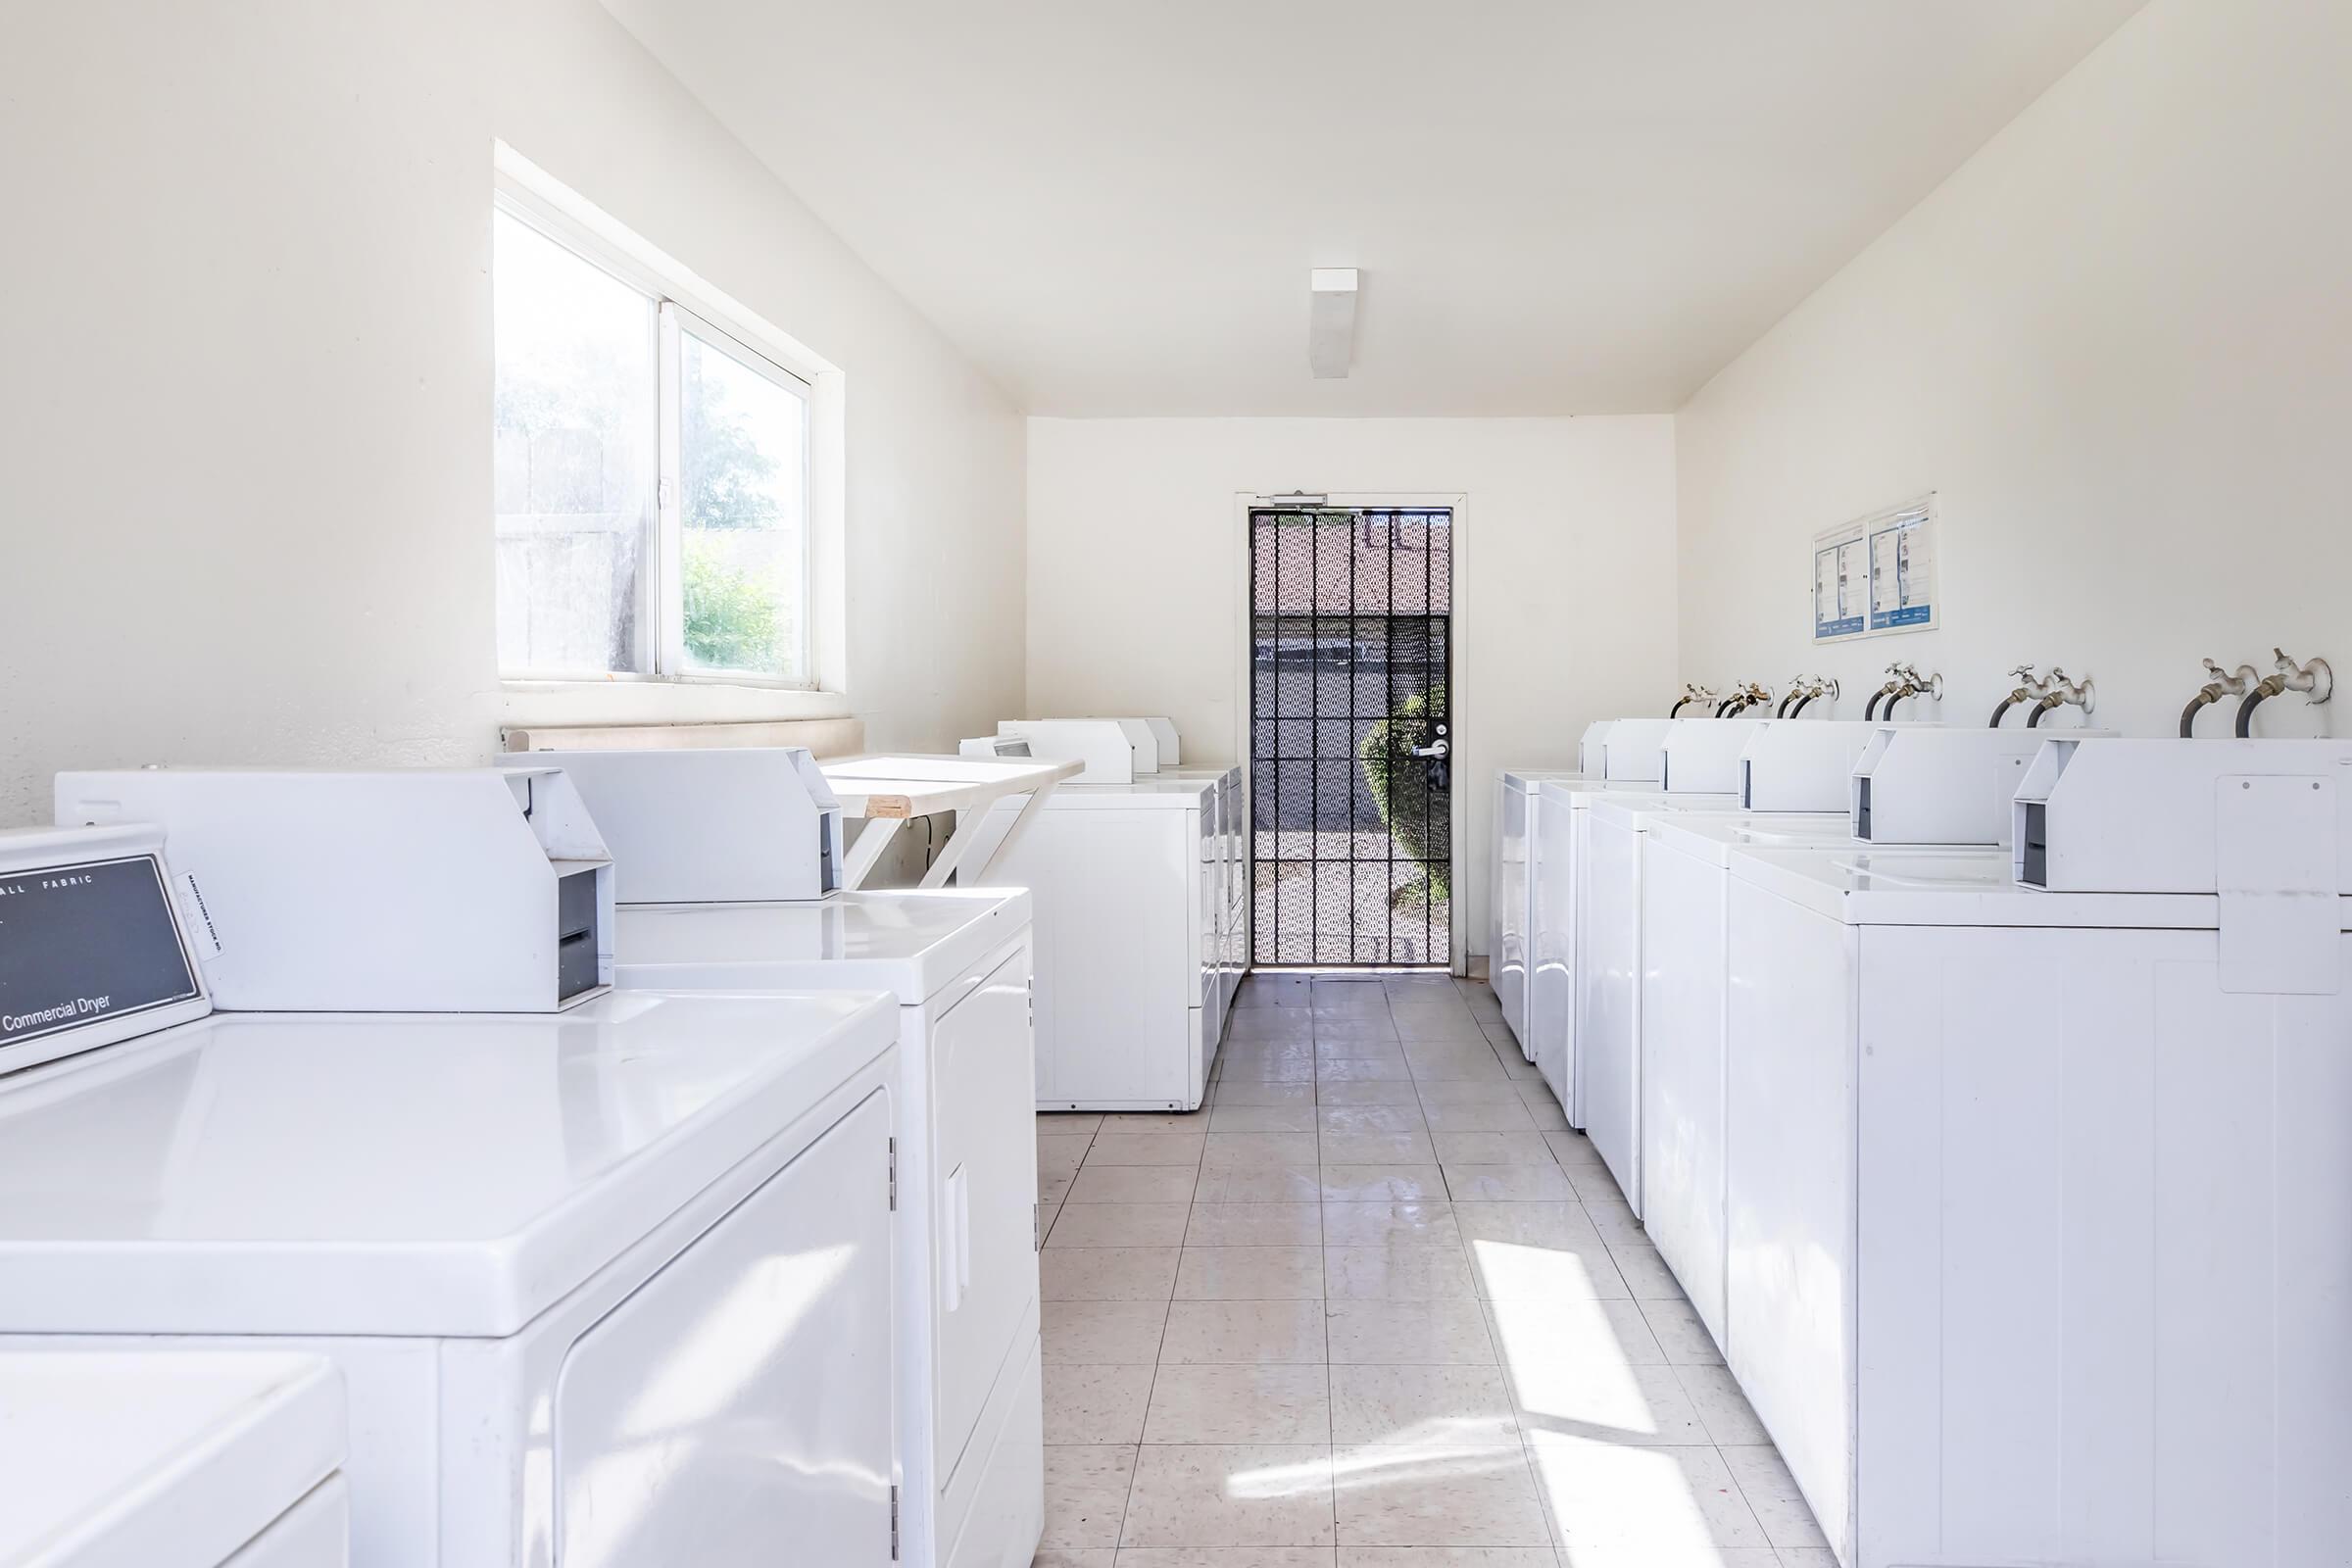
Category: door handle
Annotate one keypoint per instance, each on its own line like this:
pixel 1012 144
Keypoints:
pixel 1433 749
pixel 956 1241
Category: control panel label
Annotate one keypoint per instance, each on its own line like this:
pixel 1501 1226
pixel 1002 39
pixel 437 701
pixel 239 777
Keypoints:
pixel 85 943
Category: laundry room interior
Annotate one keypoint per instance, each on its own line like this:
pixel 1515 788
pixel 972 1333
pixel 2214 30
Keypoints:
pixel 1049 785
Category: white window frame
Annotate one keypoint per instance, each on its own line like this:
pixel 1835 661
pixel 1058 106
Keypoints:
pixel 684 302
pixel 675 322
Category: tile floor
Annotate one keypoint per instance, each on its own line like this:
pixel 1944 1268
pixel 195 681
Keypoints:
pixel 1376 1306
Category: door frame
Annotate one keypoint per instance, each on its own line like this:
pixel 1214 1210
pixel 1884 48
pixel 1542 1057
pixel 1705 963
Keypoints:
pixel 1458 698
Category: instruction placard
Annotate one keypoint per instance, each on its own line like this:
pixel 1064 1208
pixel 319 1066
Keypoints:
pixel 1876 574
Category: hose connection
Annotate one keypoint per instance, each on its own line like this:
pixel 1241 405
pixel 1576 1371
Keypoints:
pixel 1805 689
pixel 2314 680
pixel 1742 696
pixel 2223 684
pixel 1904 681
pixel 1693 692
pixel 2062 693
pixel 2030 688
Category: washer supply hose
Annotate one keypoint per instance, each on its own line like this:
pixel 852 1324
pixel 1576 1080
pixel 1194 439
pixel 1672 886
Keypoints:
pixel 2206 697
pixel 2000 709
pixel 2255 699
pixel 2034 719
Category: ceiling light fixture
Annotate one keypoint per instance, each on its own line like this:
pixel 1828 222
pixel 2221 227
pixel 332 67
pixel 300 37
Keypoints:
pixel 1331 320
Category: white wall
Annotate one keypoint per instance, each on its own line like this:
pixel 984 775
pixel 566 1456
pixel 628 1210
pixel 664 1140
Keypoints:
pixel 2117 345
pixel 1564 573
pixel 245 409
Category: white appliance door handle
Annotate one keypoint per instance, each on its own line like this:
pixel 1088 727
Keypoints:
pixel 954 1265
pixel 963 1231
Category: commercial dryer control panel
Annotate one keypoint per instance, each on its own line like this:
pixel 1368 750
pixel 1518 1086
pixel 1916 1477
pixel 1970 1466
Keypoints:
pixel 92 947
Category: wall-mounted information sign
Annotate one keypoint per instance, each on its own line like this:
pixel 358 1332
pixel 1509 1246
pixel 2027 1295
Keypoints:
pixel 1876 574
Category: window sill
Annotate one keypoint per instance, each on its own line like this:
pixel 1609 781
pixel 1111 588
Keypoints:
pixel 546 703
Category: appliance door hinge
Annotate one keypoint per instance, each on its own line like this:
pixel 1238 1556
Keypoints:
pixel 893 1524
pixel 894 1175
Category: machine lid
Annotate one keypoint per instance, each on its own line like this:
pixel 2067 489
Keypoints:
pixel 164 1458
pixel 1575 786
pixel 1161 791
pixel 449 1174
pixel 1586 795
pixel 1640 809
pixel 1712 836
pixel 1527 781
pixel 1861 884
pixel 913 945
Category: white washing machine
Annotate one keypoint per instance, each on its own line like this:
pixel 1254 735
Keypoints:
pixel 2040 1201
pixel 1552 938
pixel 1131 893
pixel 172 1460
pixel 1685 889
pixel 1225 883
pixel 689 827
pixel 1129 989
pixel 607 1282
pixel 1513 964
pixel 1796 790
pixel 1533 942
pixel 1233 859
pixel 1699 769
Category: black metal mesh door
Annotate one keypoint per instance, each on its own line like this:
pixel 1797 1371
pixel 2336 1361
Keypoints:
pixel 1351 840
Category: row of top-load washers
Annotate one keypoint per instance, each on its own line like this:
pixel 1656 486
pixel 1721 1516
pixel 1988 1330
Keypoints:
pixel 696 1234
pixel 1990 1097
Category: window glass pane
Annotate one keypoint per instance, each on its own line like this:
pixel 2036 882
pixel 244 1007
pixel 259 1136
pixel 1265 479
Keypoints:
pixel 576 408
pixel 742 450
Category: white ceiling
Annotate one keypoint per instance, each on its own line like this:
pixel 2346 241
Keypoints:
pixel 1559 206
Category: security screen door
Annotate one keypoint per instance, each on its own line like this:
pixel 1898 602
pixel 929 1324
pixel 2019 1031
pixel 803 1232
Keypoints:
pixel 1352 842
